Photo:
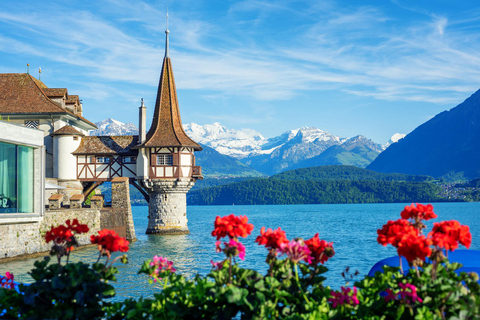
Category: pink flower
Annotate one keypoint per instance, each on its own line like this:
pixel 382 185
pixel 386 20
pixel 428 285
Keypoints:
pixel 160 264
pixel 7 281
pixel 239 247
pixel 9 275
pixel 296 250
pixel 390 295
pixel 407 293
pixel 217 247
pixel 347 296
pixel 217 265
pixel 232 248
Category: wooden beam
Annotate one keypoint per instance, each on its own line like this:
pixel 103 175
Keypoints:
pixel 142 191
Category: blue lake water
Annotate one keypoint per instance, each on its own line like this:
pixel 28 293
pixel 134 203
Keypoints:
pixel 351 227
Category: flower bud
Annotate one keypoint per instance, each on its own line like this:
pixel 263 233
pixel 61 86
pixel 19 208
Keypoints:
pixel 474 276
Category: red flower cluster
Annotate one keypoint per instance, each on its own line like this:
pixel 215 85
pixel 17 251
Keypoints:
pixel 59 235
pixel 63 234
pixel 110 241
pixel 448 234
pixel 320 250
pixel 393 232
pixel 232 226
pixel 418 212
pixel 272 239
pixel 405 237
pixel 414 246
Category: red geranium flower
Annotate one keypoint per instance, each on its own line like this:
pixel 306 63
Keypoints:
pixel 110 241
pixel 272 239
pixel 77 227
pixel 393 232
pixel 418 212
pixel 413 246
pixel 448 234
pixel 59 235
pixel 232 226
pixel 321 250
pixel 64 234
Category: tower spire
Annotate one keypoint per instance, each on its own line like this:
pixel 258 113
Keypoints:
pixel 166 41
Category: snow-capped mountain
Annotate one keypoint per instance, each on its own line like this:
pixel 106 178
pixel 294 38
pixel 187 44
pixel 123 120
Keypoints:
pixel 290 149
pixel 394 139
pixel 112 127
pixel 235 143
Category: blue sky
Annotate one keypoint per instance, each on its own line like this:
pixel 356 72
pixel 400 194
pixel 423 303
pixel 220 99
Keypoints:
pixel 348 67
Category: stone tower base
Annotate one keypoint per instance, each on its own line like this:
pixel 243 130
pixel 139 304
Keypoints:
pixel 167 209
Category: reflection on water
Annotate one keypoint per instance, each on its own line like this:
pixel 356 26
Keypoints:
pixel 352 228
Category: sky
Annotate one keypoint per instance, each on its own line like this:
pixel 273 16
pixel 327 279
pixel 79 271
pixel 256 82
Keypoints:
pixel 373 68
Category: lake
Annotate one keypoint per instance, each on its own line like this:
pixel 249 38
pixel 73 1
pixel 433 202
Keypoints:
pixel 351 227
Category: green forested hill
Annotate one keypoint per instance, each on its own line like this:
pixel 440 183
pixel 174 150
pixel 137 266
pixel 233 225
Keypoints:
pixel 274 191
pixel 323 173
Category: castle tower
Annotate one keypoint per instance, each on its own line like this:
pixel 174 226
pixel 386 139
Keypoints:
pixel 166 162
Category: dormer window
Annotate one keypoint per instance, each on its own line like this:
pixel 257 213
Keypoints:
pixel 32 124
pixel 164 159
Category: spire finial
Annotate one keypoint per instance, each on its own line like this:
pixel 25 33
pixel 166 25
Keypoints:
pixel 143 105
pixel 166 41
pixel 28 68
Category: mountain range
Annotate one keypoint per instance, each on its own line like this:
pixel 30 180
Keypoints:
pixel 246 153
pixel 446 145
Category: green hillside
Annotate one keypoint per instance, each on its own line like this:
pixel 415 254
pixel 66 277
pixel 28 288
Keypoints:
pixel 323 173
pixel 275 191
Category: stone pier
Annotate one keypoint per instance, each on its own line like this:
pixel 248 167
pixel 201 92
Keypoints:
pixel 167 209
pixel 121 205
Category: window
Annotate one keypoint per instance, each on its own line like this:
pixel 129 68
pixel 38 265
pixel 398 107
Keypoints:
pixel 103 159
pixel 75 138
pixel 16 178
pixel 129 159
pixel 164 159
pixel 31 124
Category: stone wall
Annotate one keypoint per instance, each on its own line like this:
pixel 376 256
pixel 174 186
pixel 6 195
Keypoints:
pixel 28 238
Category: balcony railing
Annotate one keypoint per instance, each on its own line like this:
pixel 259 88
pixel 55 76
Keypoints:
pixel 197 171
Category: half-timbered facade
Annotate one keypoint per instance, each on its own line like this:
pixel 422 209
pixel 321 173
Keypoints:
pixel 102 158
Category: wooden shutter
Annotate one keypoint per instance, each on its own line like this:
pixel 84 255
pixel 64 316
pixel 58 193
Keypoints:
pixel 153 159
pixel 176 159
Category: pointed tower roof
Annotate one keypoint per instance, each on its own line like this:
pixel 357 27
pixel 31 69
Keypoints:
pixel 167 129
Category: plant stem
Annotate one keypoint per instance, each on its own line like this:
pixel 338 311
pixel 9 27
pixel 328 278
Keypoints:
pixel 298 284
pixel 230 271
pixel 400 263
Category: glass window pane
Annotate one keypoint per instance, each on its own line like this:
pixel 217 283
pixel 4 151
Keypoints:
pixel 8 178
pixel 25 179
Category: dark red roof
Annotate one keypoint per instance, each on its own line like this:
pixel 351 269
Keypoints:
pixel 107 145
pixel 55 92
pixel 20 93
pixel 67 130
pixel 167 129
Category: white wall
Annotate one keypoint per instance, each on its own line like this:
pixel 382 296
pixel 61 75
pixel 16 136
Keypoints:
pixel 65 163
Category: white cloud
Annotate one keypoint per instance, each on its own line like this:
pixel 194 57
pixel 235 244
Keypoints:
pixel 360 50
